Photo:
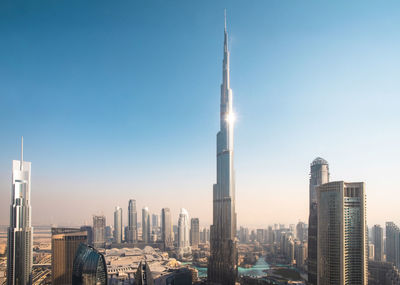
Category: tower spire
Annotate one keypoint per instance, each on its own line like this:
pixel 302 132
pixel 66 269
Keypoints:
pixel 22 152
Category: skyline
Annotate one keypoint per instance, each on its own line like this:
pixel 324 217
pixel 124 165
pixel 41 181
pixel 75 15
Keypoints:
pixel 120 134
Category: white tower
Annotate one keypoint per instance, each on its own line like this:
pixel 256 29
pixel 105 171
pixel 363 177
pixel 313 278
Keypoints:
pixel 19 261
pixel 183 233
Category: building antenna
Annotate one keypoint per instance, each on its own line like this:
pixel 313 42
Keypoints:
pixel 225 18
pixel 22 152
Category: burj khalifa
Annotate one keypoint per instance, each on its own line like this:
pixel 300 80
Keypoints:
pixel 222 265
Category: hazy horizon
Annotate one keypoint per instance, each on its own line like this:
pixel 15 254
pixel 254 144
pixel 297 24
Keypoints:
pixel 120 101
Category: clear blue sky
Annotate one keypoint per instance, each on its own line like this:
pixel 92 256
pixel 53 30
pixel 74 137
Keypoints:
pixel 120 99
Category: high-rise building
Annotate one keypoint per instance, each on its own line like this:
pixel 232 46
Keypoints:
pixel 99 231
pixel 154 221
pixel 301 231
pixel 145 225
pixel 393 244
pixel 183 234
pixel 64 244
pixel 377 239
pixel 19 236
pixel 89 267
pixel 118 225
pixel 319 174
pixel 166 228
pixel 132 222
pixel 89 231
pixel 222 265
pixel 342 234
pixel 194 232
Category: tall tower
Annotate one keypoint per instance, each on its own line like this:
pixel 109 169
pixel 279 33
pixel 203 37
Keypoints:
pixel 319 174
pixel 342 234
pixel 183 233
pixel 118 225
pixel 222 266
pixel 393 243
pixel 194 232
pixel 132 222
pixel 166 228
pixel 145 225
pixel 19 259
pixel 377 238
pixel 99 231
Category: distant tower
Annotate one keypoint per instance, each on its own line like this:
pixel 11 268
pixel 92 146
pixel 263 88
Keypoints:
pixel 377 238
pixel 393 244
pixel 19 259
pixel 132 222
pixel 145 225
pixel 118 225
pixel 154 221
pixel 183 234
pixel 99 231
pixel 319 174
pixel 166 228
pixel 222 264
pixel 342 234
pixel 194 232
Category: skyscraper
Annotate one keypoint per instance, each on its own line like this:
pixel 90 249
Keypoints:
pixel 377 239
pixel 132 222
pixel 166 228
pixel 319 174
pixel 183 234
pixel 154 221
pixel 118 225
pixel 342 234
pixel 145 225
pixel 99 231
pixel 222 265
pixel 64 244
pixel 89 267
pixel 393 244
pixel 19 258
pixel 194 232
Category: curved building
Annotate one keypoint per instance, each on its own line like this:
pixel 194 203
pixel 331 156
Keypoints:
pixel 89 267
pixel 319 174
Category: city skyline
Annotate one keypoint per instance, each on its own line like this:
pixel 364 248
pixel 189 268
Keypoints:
pixel 274 151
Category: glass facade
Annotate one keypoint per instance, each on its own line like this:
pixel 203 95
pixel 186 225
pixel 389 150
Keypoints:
pixel 89 267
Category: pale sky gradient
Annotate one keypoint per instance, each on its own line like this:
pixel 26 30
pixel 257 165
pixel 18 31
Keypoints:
pixel 120 100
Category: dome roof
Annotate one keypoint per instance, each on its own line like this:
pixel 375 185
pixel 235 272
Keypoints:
pixel 319 161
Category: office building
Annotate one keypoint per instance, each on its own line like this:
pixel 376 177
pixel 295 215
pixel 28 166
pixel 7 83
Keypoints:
pixel 154 221
pixel 64 245
pixel 393 244
pixel 118 225
pixel 20 231
pixel 377 239
pixel 132 230
pixel 89 231
pixel 222 264
pixel 146 225
pixel 99 231
pixel 183 234
pixel 89 267
pixel 319 174
pixel 166 228
pixel 194 232
pixel 342 234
